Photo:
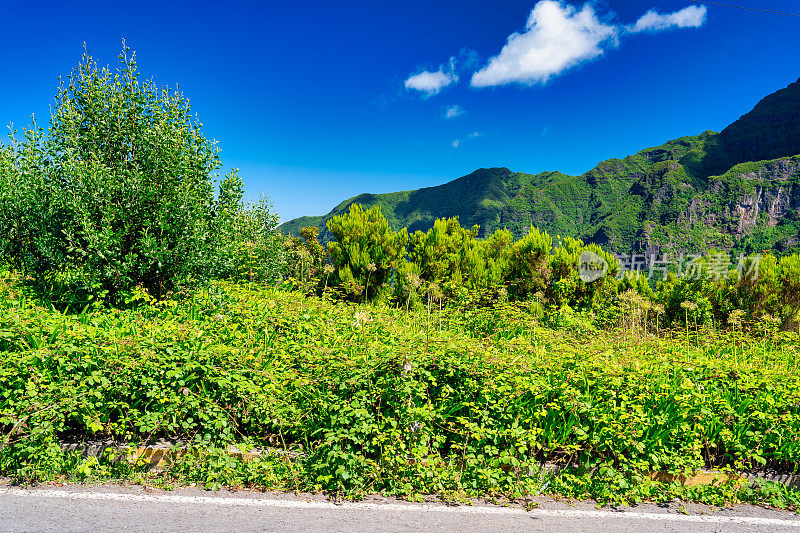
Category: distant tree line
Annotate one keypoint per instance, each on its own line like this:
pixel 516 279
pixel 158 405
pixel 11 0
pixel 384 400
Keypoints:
pixel 369 261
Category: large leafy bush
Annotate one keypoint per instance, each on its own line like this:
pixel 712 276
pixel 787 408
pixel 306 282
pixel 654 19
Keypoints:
pixel 762 287
pixel 529 267
pixel 117 192
pixel 566 287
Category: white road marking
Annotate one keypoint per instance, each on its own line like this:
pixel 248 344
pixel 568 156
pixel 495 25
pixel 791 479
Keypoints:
pixel 393 507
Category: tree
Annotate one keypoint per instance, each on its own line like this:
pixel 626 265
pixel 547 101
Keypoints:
pixel 450 255
pixel 529 266
pixel 366 251
pixel 249 247
pixel 118 192
pixel 566 286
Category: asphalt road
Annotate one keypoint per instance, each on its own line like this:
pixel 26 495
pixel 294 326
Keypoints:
pixel 129 508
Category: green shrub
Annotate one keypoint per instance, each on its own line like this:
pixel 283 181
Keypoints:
pixel 306 268
pixel 118 192
pixel 249 247
pixel 452 257
pixel 529 264
pixel 497 252
pixel 566 286
pixel 366 251
pixel 686 300
pixel 790 291
pixel 767 286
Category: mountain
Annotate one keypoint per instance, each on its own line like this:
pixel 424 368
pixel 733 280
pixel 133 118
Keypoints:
pixel 734 190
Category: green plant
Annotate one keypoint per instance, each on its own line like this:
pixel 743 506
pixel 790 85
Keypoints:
pixel 451 256
pixel 117 192
pixel 566 288
pixel 249 248
pixel 355 399
pixel 529 264
pixel 363 238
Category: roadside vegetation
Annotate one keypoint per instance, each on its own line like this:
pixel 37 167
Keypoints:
pixel 143 300
pixel 354 398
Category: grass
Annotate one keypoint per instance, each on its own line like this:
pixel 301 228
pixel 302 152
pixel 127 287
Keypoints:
pixel 374 399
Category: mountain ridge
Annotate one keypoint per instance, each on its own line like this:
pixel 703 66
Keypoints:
pixel 731 190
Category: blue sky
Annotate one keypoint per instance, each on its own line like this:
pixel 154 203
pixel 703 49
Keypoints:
pixel 316 102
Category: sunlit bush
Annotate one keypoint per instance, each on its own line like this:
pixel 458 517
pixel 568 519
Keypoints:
pixel 366 251
pixel 118 190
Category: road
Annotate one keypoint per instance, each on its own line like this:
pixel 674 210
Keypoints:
pixel 133 508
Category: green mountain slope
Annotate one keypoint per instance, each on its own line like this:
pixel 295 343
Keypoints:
pixel 737 189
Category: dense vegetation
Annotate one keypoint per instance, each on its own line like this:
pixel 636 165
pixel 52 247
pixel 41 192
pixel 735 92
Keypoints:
pixel 119 192
pixel 448 265
pixel 141 300
pixel 736 190
pixel 374 398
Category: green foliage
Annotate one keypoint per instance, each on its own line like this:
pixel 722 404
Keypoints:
pixel 761 288
pixel 450 255
pixel 677 293
pixel 356 399
pixel 366 250
pixel 529 264
pixel 449 264
pixel 33 217
pixel 306 269
pixel 449 261
pixel 249 248
pixel 566 288
pixel 118 192
pixel 789 291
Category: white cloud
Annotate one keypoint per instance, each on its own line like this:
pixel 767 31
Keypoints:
pixel 430 83
pixel 453 111
pixel 455 143
pixel 557 37
pixel 653 21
